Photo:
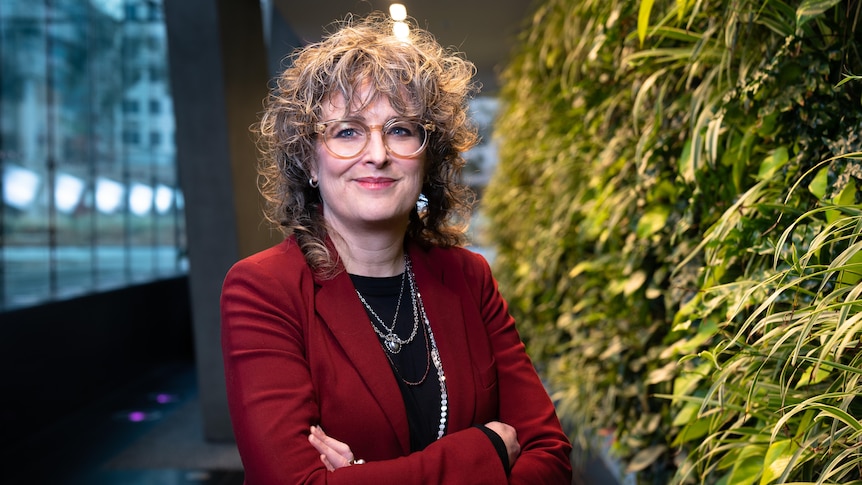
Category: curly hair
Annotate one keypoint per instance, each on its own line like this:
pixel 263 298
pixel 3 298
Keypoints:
pixel 420 78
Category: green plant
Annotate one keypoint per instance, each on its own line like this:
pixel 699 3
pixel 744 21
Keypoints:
pixel 644 204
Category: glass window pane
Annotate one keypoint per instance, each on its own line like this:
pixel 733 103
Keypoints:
pixel 90 193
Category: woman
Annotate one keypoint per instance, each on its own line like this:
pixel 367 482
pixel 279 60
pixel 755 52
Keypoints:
pixel 368 347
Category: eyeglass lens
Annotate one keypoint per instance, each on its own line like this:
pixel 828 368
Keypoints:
pixel 347 138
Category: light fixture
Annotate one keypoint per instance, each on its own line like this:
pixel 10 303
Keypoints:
pixel 19 187
pixel 398 12
pixel 67 192
pixel 140 199
pixel 401 30
pixel 164 198
pixel 109 195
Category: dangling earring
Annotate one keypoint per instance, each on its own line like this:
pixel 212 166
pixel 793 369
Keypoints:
pixel 314 183
pixel 422 204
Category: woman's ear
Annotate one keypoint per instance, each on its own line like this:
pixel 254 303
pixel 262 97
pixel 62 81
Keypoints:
pixel 313 181
pixel 312 169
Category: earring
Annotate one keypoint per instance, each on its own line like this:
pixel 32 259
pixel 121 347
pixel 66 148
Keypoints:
pixel 314 183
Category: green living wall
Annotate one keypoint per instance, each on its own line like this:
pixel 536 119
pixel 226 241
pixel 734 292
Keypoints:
pixel 678 227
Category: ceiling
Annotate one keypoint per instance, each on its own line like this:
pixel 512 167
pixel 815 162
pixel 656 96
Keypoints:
pixel 485 30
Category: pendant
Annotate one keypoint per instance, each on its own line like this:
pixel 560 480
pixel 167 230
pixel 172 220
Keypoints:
pixel 392 345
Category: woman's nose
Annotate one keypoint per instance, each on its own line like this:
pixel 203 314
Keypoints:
pixel 376 150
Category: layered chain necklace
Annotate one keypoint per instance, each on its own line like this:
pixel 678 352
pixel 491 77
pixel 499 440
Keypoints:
pixel 393 344
pixel 392 341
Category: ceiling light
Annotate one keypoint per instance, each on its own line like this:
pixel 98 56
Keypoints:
pixel 19 187
pixel 164 198
pixel 140 199
pixel 67 192
pixel 401 30
pixel 109 195
pixel 398 12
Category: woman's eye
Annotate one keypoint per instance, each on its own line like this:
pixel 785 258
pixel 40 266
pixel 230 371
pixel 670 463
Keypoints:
pixel 400 130
pixel 347 131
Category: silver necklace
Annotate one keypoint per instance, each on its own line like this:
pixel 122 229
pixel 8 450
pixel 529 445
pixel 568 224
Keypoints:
pixel 427 362
pixel 393 342
pixel 435 354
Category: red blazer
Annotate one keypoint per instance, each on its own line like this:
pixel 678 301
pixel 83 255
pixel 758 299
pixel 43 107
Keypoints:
pixel 300 351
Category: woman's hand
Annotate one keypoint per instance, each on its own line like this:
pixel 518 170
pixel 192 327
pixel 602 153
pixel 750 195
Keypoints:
pixel 510 437
pixel 333 453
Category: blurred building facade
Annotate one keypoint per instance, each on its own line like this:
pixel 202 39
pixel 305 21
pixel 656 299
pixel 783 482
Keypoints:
pixel 90 192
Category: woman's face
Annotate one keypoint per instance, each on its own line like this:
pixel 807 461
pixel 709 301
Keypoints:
pixel 374 190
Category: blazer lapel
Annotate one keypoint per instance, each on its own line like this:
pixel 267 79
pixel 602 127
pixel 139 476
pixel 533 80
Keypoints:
pixel 443 307
pixel 339 308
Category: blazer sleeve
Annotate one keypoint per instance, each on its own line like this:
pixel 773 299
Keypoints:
pixel 272 397
pixel 523 400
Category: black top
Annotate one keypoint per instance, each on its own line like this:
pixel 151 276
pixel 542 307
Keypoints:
pixel 422 400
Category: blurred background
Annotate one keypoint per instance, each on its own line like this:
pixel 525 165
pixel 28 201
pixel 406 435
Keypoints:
pixel 128 189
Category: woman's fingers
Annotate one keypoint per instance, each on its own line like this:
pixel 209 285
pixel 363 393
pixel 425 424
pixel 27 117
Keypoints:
pixel 327 463
pixel 509 436
pixel 338 446
pixel 333 453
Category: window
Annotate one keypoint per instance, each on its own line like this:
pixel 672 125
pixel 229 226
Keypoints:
pixel 130 106
pixel 87 205
pixel 131 11
pixel 131 137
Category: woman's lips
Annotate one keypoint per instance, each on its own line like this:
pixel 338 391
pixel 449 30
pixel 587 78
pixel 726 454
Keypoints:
pixel 375 182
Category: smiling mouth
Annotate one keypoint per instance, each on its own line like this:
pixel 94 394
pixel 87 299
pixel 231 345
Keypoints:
pixel 375 182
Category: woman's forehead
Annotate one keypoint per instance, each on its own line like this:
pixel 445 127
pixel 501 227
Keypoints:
pixel 363 100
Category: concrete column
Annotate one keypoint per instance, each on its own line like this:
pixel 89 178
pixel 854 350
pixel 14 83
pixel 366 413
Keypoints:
pixel 218 70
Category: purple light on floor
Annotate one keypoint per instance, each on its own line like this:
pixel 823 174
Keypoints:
pixel 163 397
pixel 137 416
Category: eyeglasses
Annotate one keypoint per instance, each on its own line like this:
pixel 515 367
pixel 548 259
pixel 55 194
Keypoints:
pixel 347 138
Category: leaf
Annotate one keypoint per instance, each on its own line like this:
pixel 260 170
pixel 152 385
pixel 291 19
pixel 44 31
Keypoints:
pixel 662 374
pixel 819 183
pixel 813 374
pixel 848 194
pixel 653 220
pixel 811 8
pixel 645 458
pixel 635 281
pixel 778 456
pixel 705 331
pixel 687 414
pixel 748 466
pixel 692 431
pixel 771 164
pixel 847 79
pixel 643 19
pixel 852 272
pixel 685 164
pixel 846 197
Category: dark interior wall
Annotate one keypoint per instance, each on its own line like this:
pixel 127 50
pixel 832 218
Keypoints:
pixel 60 357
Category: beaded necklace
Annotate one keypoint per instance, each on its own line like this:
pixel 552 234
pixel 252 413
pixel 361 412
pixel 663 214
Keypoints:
pixel 435 353
pixel 392 343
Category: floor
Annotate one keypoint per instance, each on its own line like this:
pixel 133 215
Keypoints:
pixel 150 433
pixel 147 434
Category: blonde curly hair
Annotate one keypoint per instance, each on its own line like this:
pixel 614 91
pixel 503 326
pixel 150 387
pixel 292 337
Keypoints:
pixel 420 78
